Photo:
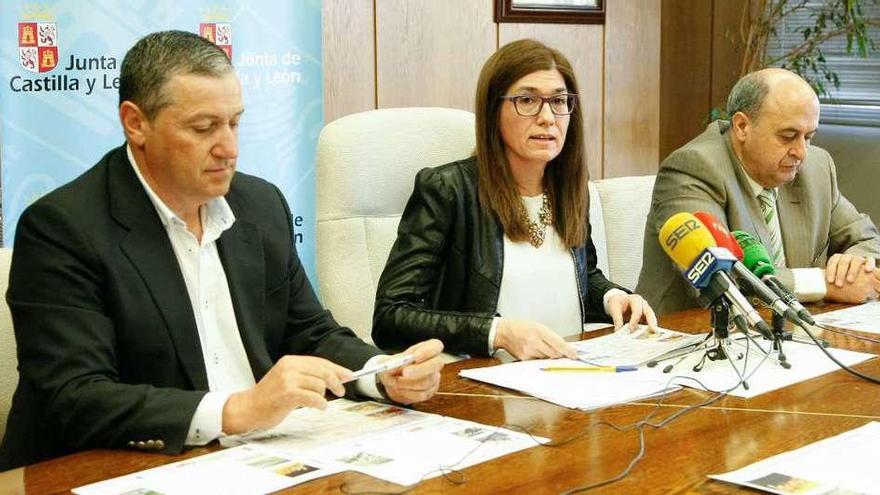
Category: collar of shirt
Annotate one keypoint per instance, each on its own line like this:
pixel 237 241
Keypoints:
pixel 756 188
pixel 216 214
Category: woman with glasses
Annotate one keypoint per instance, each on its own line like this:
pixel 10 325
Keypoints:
pixel 494 252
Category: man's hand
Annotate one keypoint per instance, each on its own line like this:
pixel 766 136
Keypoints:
pixel 844 269
pixel 294 381
pixel 418 381
pixel 531 340
pixel 864 287
pixel 637 307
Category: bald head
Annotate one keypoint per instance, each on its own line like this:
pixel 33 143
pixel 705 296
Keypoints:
pixel 773 86
pixel 773 114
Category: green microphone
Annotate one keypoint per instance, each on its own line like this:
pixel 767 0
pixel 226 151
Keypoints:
pixel 757 259
pixel 755 255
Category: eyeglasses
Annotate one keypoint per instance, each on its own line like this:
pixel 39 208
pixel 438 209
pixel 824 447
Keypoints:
pixel 531 105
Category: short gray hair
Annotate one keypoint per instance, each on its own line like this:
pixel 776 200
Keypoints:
pixel 747 95
pixel 157 57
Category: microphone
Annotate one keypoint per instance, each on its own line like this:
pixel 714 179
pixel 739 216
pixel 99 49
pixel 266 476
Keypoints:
pixel 754 285
pixel 687 242
pixel 757 259
pixel 719 232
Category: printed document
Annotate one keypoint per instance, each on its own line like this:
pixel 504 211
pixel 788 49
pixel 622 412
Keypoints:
pixel 864 318
pixel 242 470
pixel 416 452
pixel 384 441
pixel 762 375
pixel 588 390
pixel 634 348
pixel 843 464
pixel 389 442
pixel 591 390
pixel 305 429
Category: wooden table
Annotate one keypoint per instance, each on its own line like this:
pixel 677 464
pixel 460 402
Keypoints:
pixel 729 434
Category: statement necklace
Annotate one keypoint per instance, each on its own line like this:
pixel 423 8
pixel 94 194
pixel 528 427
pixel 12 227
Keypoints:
pixel 538 230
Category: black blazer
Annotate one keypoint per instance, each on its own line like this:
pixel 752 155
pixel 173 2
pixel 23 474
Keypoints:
pixel 108 348
pixel 443 275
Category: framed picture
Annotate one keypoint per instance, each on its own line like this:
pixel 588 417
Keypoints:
pixel 551 11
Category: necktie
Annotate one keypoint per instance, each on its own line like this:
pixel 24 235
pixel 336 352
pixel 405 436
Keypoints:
pixel 767 200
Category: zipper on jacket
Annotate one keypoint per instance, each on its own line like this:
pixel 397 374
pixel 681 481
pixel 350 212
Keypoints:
pixel 577 285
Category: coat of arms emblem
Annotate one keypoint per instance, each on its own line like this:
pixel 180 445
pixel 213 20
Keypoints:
pixel 38 46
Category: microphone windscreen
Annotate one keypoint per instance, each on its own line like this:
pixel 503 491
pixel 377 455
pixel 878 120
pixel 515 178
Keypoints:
pixel 755 255
pixel 684 237
pixel 719 232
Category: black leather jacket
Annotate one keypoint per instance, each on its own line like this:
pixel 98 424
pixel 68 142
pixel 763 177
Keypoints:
pixel 443 275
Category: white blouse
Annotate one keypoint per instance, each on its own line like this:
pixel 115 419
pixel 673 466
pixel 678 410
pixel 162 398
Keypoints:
pixel 540 284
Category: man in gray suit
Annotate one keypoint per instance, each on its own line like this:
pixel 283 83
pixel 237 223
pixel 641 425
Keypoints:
pixel 758 173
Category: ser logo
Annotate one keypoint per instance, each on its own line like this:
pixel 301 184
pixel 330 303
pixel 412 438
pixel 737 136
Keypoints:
pixel 38 46
pixel 699 267
pixel 680 233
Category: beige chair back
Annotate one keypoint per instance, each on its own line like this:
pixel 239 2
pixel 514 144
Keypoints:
pixel 366 168
pixel 624 203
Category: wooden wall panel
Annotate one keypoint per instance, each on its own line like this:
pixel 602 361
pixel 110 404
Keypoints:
pixel 700 59
pixel 430 52
pixel 582 44
pixel 391 53
pixel 686 71
pixel 632 87
pixel 726 48
pixel 349 57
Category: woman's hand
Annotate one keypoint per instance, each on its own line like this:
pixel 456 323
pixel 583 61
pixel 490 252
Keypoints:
pixel 621 304
pixel 531 340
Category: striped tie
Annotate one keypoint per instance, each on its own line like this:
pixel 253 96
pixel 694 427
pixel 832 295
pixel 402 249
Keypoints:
pixel 767 199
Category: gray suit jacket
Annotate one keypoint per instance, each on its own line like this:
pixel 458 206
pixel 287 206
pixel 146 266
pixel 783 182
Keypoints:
pixel 705 175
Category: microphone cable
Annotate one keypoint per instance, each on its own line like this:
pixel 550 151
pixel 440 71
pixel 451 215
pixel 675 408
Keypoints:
pixel 837 361
pixel 646 422
pixel 640 425
pixel 838 331
pixel 457 477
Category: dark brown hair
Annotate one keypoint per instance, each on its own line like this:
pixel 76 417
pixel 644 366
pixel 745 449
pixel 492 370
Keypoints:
pixel 157 57
pixel 565 178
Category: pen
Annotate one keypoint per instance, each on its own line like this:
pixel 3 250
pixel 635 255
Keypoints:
pixel 388 364
pixel 607 369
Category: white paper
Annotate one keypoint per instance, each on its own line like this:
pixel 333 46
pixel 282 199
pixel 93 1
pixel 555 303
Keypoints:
pixel 591 390
pixel 425 450
pixel 588 390
pixel 242 470
pixel 843 464
pixel 864 318
pixel 633 348
pixel 306 429
pixel 388 442
pixel 807 361
pixel 385 441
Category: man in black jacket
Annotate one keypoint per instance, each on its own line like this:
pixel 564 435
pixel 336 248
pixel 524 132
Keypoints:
pixel 158 299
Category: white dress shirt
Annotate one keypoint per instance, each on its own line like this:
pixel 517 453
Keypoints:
pixel 226 363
